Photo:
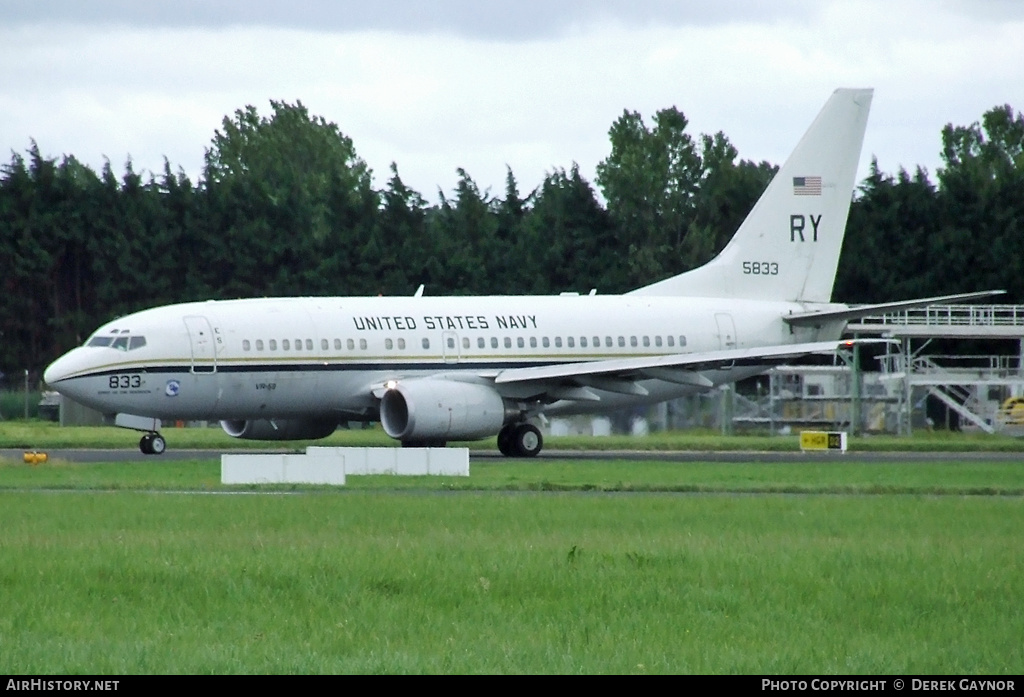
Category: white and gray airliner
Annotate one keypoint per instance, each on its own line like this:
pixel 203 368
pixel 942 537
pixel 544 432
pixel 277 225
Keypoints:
pixel 438 369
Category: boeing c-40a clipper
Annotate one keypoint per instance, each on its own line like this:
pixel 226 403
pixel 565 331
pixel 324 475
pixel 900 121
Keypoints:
pixel 436 369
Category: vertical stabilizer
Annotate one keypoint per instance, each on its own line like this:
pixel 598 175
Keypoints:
pixel 788 247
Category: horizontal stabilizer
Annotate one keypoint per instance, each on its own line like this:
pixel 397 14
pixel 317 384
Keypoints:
pixel 814 318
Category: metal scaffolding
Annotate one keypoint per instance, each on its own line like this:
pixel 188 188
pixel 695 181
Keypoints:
pixel 984 392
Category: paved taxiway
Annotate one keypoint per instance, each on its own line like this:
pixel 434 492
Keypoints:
pixel 83 455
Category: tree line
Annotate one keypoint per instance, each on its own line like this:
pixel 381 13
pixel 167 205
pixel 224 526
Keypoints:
pixel 285 206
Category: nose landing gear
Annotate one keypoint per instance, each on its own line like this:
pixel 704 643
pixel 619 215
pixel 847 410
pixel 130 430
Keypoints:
pixel 152 442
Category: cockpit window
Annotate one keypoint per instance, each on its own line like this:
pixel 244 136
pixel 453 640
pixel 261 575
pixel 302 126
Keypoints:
pixel 121 343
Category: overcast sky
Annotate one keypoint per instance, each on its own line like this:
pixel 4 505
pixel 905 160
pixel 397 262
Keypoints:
pixel 529 84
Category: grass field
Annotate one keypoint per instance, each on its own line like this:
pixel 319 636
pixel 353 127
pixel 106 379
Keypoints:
pixel 107 574
pixel 411 582
pixel 835 477
pixel 523 567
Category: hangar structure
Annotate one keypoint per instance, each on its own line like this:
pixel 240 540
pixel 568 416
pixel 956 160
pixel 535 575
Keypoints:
pixel 977 391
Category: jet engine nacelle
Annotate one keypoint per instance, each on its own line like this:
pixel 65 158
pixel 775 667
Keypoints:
pixel 279 429
pixel 441 410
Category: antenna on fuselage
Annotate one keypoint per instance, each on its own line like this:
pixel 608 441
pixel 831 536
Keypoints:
pixel 419 292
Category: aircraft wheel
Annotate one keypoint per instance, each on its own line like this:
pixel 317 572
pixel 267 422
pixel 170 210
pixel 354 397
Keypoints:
pixel 527 440
pixel 152 444
pixel 157 445
pixel 505 438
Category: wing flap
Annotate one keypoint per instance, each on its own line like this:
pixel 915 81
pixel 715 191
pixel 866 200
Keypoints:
pixel 679 377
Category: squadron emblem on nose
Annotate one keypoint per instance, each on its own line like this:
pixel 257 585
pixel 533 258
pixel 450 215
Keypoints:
pixel 172 389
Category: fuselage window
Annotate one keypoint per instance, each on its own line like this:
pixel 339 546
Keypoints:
pixel 337 344
pixel 597 342
pixel 494 342
pixel 570 342
pixel 259 344
pixel 608 341
pixel 671 341
pixel 426 343
pixel 622 341
pixel 309 344
pixel 647 341
pixel 558 342
pixel 508 342
pixel 272 343
pixel 520 342
pixel 533 342
pixel 245 345
pixel 451 342
pixel 401 344
pixel 481 342
pixel 682 341
pixel 323 344
pixel 657 341
pixel 583 342
pixel 465 342
pixel 285 345
pixel 362 344
pixel 298 344
pixel 351 343
pixel 136 342
pixel 389 344
pixel 632 341
pixel 546 342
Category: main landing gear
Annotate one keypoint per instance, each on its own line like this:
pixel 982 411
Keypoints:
pixel 152 444
pixel 520 440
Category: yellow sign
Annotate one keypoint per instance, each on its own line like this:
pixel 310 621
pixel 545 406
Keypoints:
pixel 823 440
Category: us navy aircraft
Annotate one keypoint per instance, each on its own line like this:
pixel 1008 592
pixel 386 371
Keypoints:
pixel 435 369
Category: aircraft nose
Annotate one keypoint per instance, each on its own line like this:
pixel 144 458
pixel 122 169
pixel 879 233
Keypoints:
pixel 57 371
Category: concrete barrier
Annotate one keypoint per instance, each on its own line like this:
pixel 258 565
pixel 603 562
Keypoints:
pixel 326 465
pixel 452 462
pixel 281 469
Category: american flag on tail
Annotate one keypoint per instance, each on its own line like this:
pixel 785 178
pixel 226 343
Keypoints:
pixel 807 186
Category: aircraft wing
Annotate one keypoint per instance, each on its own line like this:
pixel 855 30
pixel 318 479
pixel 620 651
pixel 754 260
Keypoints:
pixel 621 374
pixel 815 317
